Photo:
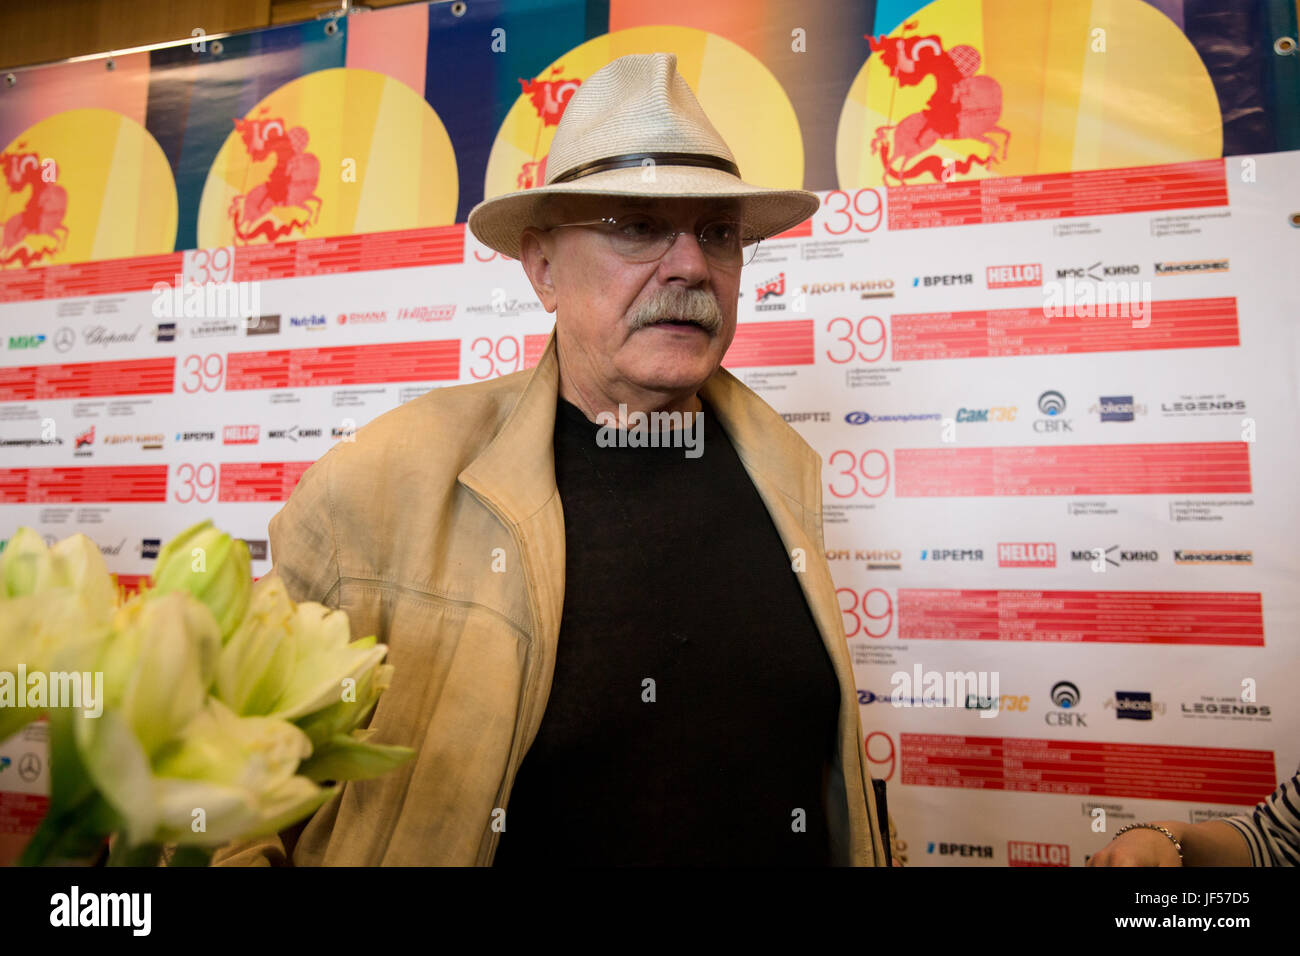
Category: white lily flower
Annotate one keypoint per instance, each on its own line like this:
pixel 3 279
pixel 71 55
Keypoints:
pixel 288 662
pixel 212 566
pixel 232 777
pixel 159 664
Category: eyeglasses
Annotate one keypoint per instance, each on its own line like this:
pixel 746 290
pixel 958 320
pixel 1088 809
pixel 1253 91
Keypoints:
pixel 641 238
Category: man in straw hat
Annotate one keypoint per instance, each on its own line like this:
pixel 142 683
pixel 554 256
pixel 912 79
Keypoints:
pixel 602 580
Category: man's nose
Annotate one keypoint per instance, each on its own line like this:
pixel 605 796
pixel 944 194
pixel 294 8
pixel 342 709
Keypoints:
pixel 685 258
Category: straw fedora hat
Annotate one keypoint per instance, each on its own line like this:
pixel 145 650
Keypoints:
pixel 633 113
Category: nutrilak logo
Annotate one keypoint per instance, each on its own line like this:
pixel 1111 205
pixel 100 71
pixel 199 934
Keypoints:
pixel 945 689
pixel 655 430
pixel 41 690
pixel 74 908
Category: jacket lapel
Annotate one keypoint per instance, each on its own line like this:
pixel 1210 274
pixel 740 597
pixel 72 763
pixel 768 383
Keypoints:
pixel 514 476
pixel 787 474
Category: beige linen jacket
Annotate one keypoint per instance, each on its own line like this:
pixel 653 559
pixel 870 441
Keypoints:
pixel 439 529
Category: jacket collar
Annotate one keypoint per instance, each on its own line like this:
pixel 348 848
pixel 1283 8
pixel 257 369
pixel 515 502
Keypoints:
pixel 516 471
pixel 766 444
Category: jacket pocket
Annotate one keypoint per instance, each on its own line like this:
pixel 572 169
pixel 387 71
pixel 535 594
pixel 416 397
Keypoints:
pixel 454 699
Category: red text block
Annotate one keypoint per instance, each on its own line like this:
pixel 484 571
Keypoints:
pixel 102 277
pixel 1168 468
pixel 103 483
pixel 985 333
pixel 1115 617
pixel 372 251
pixel 1139 771
pixel 771 344
pixel 534 346
pixel 154 376
pixel 1090 192
pixel 344 365
pixel 21 813
pixel 259 480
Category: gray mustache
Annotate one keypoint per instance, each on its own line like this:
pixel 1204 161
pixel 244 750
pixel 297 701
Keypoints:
pixel 695 306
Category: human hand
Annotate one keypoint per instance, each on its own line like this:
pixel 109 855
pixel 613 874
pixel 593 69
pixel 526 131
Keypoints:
pixel 1138 847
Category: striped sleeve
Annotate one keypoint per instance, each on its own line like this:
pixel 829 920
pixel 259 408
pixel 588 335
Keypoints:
pixel 1272 829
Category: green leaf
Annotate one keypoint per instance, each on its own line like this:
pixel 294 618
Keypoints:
pixel 191 856
pixel 75 835
pixel 346 758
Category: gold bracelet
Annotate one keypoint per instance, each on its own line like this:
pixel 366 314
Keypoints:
pixel 1152 826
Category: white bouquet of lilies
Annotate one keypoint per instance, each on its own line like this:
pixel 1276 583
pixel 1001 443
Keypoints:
pixel 203 710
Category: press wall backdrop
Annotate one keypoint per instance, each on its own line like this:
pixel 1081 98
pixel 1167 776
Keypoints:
pixel 1042 332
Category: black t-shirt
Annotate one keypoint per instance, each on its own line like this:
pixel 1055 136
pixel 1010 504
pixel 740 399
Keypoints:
pixel 693 710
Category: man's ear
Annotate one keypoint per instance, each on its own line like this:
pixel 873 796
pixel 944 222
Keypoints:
pixel 535 250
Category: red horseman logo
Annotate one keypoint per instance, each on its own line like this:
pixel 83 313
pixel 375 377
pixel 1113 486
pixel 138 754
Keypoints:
pixel 291 183
pixel 549 98
pixel 964 106
pixel 41 216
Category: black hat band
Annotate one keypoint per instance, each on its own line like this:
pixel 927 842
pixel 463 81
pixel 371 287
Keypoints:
pixel 638 159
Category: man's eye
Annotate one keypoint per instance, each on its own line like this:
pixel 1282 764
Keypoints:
pixel 721 232
pixel 639 227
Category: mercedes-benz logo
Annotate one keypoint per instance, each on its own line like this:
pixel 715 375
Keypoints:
pixel 64 339
pixel 29 767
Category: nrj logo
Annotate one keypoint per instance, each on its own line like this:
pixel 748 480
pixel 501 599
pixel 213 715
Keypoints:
pixel 769 294
pixel 655 430
pixel 772 287
pixel 212 300
pixel 945 689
